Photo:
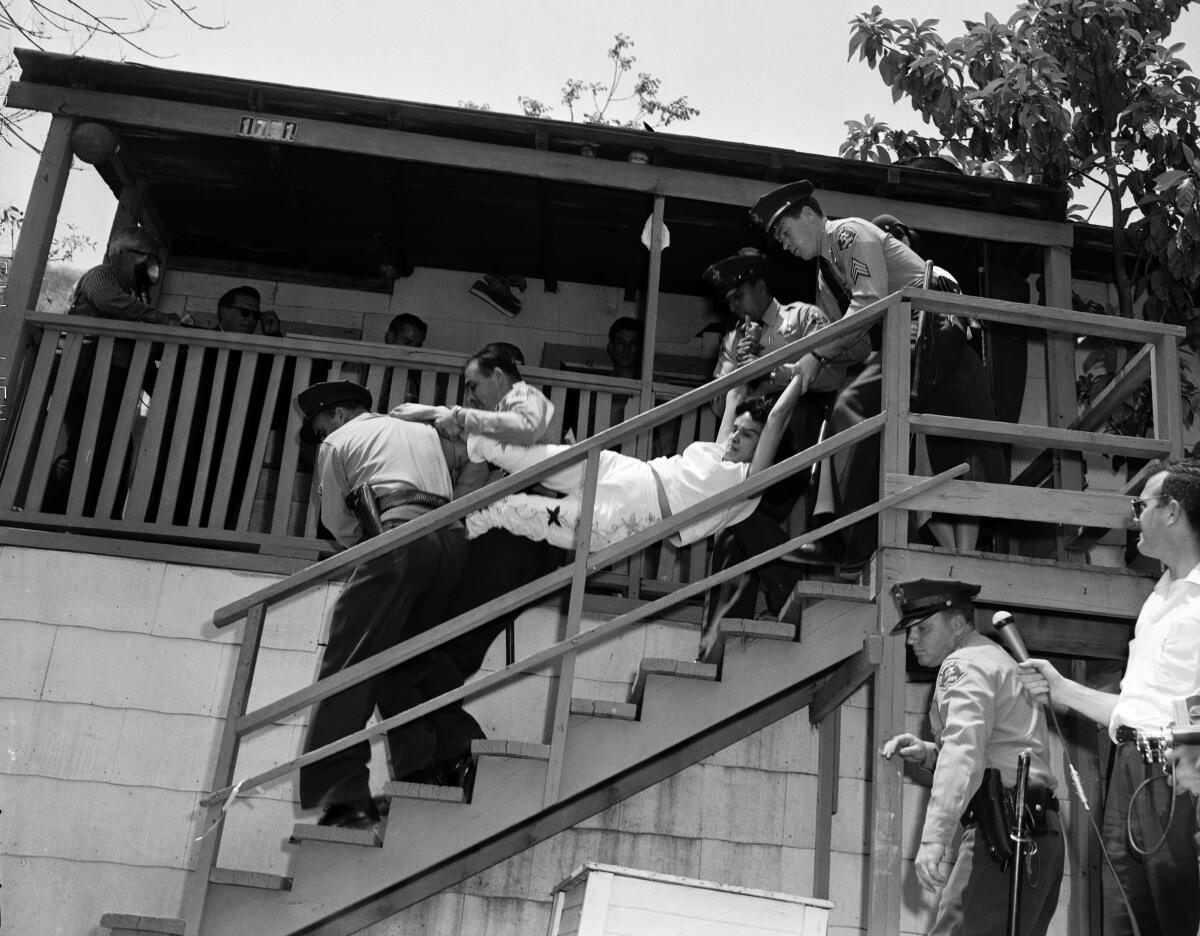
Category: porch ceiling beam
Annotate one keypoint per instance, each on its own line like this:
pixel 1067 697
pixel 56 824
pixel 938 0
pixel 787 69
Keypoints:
pixel 181 117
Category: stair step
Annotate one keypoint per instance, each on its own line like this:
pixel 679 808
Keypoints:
pixel 603 708
pixel 309 832
pixel 130 924
pixel 424 791
pixel 259 879
pixel 747 627
pixel 687 669
pixel 499 748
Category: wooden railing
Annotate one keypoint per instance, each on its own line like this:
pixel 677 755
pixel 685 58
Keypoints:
pixel 190 436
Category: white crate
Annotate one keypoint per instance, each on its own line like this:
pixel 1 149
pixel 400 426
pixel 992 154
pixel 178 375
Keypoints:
pixel 606 900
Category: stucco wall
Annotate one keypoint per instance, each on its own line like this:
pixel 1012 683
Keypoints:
pixel 113 683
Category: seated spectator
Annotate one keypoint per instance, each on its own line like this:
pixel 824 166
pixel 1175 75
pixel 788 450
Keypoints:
pixel 406 330
pixel 625 337
pixel 239 311
pixel 631 494
pixel 119 288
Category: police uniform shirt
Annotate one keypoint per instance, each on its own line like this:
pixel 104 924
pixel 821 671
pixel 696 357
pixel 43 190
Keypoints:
pixel 980 719
pixel 865 264
pixel 783 324
pixel 387 453
pixel 1164 656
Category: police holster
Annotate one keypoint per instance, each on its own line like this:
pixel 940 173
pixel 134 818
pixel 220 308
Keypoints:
pixel 991 808
pixel 365 506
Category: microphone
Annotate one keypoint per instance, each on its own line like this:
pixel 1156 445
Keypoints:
pixel 1003 622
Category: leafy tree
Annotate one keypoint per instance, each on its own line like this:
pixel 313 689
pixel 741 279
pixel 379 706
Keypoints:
pixel 1065 90
pixel 593 102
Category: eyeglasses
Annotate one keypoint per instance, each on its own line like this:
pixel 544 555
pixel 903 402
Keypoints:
pixel 1139 504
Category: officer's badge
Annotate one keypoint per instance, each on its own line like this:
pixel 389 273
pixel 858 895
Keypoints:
pixel 845 237
pixel 949 674
pixel 857 269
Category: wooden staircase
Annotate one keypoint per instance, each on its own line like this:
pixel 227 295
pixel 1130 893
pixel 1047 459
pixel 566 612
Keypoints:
pixel 678 712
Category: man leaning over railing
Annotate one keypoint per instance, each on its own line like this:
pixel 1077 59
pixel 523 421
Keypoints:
pixel 116 289
pixel 859 264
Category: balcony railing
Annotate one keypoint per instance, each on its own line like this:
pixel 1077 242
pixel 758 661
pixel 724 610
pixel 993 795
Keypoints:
pixel 188 436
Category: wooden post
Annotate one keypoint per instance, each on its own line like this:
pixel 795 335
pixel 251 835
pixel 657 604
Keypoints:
pixel 1165 393
pixel 883 883
pixel 829 751
pixel 1086 861
pixel 563 683
pixel 1061 404
pixel 196 889
pixel 29 263
pixel 651 325
pixel 894 441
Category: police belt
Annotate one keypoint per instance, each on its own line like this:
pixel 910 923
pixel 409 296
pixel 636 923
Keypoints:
pixel 992 809
pixel 369 507
pixel 1125 734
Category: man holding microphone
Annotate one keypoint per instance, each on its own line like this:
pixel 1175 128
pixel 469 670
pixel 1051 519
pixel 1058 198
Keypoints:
pixel 1149 837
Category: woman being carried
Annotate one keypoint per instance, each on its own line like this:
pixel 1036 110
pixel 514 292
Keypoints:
pixel 632 494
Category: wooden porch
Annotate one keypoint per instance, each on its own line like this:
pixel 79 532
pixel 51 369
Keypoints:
pixel 196 473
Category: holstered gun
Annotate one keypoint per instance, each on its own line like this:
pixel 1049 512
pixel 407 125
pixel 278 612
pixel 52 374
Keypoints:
pixel 991 808
pixel 365 506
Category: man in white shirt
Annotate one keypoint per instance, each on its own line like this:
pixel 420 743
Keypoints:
pixel 1163 887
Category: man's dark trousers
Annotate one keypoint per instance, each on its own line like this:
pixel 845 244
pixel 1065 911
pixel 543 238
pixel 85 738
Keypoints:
pixel 974 901
pixel 1163 888
pixel 387 600
pixel 496 563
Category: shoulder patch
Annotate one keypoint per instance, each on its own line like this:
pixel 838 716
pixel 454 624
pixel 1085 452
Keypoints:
pixel 950 673
pixel 846 236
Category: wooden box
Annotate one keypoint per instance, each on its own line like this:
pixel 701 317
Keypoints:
pixel 606 900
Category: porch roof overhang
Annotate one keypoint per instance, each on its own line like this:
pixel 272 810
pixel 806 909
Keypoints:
pixel 365 188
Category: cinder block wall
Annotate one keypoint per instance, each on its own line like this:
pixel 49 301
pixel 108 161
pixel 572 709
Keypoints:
pixel 575 314
pixel 114 681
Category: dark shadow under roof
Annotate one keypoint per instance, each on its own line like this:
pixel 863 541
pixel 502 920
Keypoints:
pixel 225 200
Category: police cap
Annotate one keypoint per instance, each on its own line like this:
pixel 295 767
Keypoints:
pixel 319 396
pixel 731 272
pixel 770 208
pixel 921 598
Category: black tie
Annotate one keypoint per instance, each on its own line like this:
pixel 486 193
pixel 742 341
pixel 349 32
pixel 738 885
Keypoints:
pixel 833 282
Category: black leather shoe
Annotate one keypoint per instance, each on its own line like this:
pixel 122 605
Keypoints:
pixel 459 772
pixel 356 814
pixel 826 551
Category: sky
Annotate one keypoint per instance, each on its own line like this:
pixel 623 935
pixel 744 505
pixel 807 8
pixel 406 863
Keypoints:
pixel 766 72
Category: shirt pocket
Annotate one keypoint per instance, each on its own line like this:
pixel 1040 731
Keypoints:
pixel 1179 664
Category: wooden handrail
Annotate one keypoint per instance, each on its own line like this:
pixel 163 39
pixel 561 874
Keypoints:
pixel 468 621
pixel 1074 440
pixel 414 529
pixel 1046 317
pixel 592 636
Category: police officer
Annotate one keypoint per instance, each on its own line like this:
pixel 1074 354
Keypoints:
pixel 981 721
pixel 765 325
pixel 860 264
